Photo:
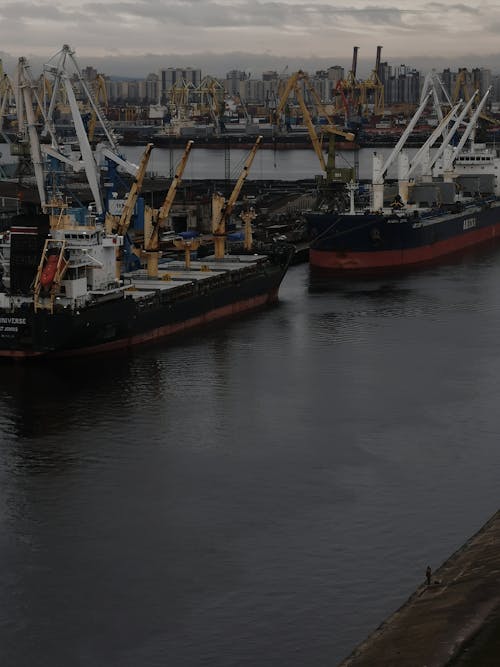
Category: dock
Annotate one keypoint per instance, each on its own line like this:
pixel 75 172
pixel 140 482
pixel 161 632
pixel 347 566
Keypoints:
pixel 454 620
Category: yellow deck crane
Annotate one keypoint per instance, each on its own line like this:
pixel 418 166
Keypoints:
pixel 121 225
pixel 155 219
pixel 293 85
pixel 222 209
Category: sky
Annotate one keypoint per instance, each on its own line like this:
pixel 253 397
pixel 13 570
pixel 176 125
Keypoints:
pixel 136 37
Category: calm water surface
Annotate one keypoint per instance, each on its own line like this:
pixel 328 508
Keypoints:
pixel 261 493
pixel 267 164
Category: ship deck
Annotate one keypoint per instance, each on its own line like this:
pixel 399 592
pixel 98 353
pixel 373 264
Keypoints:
pixel 173 274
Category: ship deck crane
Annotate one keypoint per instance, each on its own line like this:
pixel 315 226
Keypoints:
pixel 128 208
pixel 155 220
pixel 222 209
pixel 380 168
pixel 124 253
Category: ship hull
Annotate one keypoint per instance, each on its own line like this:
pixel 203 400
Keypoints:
pixel 346 243
pixel 126 321
pixel 277 143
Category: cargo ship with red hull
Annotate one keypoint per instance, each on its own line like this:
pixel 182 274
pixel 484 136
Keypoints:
pixel 451 205
pixel 80 307
pixel 91 277
pixel 345 243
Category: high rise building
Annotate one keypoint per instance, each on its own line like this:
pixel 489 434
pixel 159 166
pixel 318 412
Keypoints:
pixel 177 75
pixel 232 81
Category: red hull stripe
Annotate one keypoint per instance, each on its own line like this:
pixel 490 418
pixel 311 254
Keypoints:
pixel 351 261
pixel 24 230
pixel 160 332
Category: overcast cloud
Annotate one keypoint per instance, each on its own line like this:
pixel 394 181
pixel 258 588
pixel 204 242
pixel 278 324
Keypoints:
pixel 146 34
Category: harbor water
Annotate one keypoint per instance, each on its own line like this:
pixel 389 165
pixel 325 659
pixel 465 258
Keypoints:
pixel 263 492
pixel 268 164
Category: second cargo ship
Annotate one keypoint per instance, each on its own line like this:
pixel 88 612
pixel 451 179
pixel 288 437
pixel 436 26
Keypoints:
pixel 453 204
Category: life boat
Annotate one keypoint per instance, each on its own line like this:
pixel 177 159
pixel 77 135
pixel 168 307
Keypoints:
pixel 49 271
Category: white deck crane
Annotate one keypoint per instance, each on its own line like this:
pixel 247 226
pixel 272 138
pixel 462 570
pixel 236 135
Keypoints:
pixel 380 169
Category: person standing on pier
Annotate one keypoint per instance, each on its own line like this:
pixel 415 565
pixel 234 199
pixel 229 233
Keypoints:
pixel 428 575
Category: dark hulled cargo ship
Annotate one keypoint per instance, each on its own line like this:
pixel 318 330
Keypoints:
pixel 81 307
pixel 381 241
pixel 453 204
pixel 90 278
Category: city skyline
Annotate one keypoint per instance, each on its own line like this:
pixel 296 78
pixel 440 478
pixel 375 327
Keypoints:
pixel 137 38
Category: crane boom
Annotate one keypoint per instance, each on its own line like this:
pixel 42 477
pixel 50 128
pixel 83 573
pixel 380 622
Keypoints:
pixel 330 128
pixel 151 243
pixel 28 122
pixel 226 211
pixel 176 181
pixel 311 129
pixel 128 208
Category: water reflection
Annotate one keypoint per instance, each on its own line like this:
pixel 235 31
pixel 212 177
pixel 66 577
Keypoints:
pixel 45 397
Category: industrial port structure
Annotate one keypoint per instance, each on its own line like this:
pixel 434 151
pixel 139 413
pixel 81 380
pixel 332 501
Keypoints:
pixel 181 102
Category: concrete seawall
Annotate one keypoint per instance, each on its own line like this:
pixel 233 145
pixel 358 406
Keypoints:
pixel 449 621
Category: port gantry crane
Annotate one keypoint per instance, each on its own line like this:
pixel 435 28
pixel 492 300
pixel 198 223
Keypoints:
pixel 372 90
pixel 100 96
pixel 465 87
pixel 348 89
pixel 222 209
pixel 294 85
pixel 6 99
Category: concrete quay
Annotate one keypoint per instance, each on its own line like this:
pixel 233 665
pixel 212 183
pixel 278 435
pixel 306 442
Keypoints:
pixel 455 620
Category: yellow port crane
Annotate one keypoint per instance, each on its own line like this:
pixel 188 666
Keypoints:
pixel 222 209
pixel 465 87
pixel 101 99
pixel 330 129
pixel 349 88
pixel 6 95
pixel 372 90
